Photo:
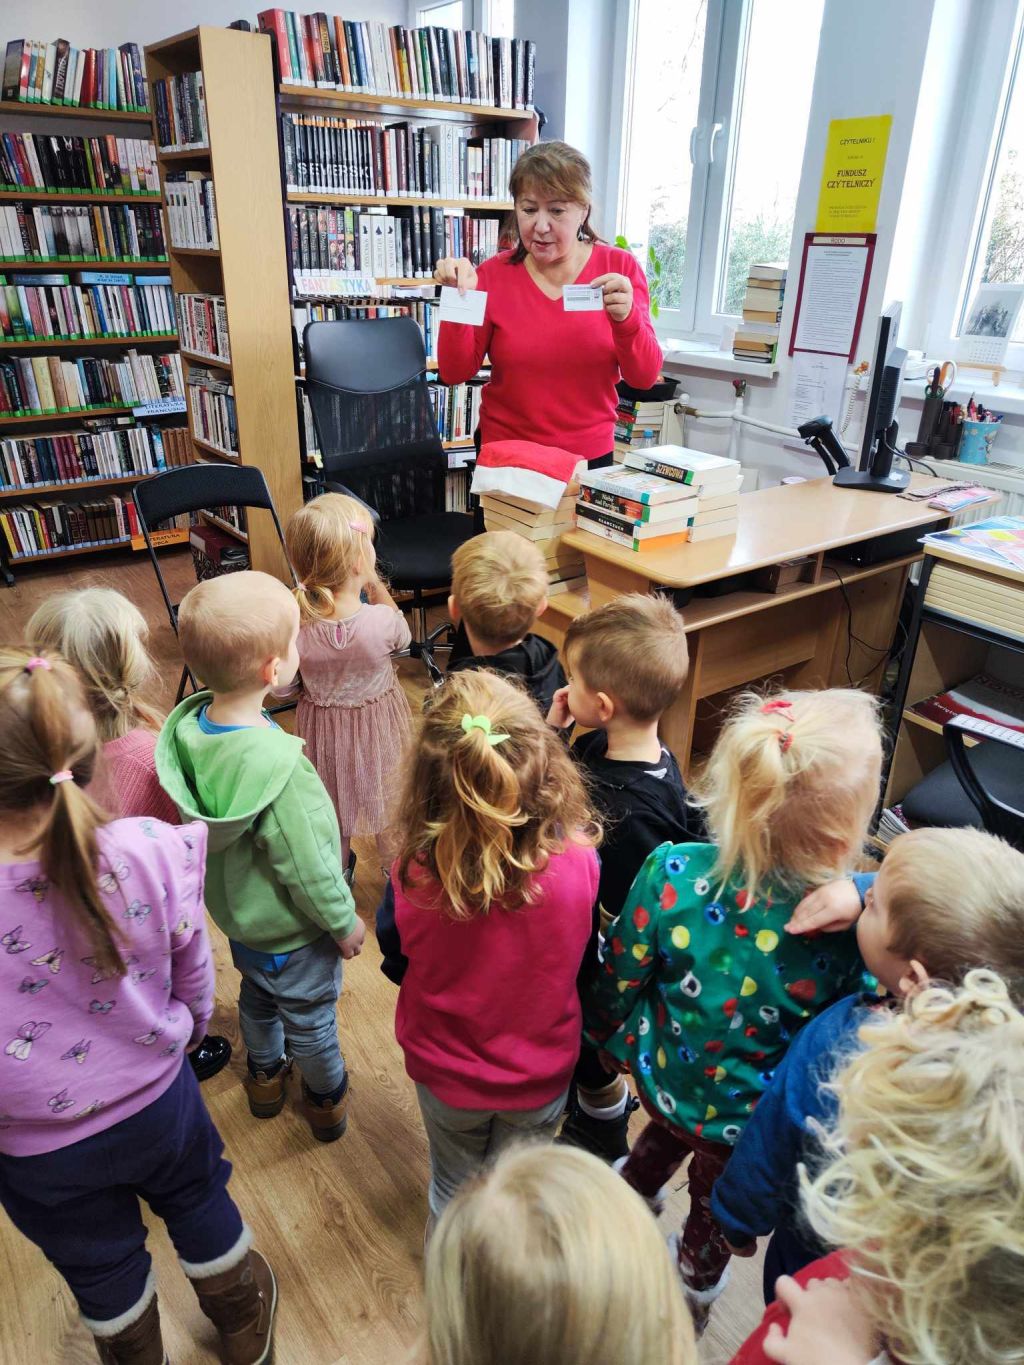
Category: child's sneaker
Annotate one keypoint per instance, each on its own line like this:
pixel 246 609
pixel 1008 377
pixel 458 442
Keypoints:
pixel 327 1118
pixel 266 1089
pixel 606 1138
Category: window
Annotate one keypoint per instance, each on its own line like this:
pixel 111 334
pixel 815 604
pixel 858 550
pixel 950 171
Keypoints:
pixel 713 145
pixel 493 17
pixel 445 15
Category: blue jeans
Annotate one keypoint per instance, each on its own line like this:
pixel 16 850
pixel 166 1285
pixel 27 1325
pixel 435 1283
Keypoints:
pixel 298 1002
pixel 80 1204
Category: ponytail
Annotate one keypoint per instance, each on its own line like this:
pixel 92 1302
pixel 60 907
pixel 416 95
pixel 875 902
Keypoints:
pixel 48 747
pixel 327 540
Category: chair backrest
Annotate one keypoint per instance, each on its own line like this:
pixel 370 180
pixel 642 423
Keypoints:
pixel 367 387
pixel 198 486
pixel 996 816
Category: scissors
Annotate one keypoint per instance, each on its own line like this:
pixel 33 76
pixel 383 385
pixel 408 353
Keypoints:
pixel 941 379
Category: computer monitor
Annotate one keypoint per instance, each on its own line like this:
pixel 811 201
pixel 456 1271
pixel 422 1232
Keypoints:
pixel 878 444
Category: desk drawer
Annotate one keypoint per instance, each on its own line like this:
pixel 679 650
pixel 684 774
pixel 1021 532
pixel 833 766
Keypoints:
pixel 977 598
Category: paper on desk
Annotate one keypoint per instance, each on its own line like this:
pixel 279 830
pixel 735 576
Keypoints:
pixel 816 387
pixel 582 298
pixel 466 308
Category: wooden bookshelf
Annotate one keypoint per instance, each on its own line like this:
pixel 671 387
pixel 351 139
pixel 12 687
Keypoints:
pixel 75 111
pixel 344 102
pixel 67 551
pixel 61 343
pixel 66 267
pixel 75 415
pixel 398 201
pixel 223 525
pixel 250 269
pixel 79 197
pixel 36 490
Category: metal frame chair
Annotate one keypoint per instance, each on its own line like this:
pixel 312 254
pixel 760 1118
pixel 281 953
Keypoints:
pixel 996 816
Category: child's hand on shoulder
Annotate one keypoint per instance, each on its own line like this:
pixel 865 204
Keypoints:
pixel 559 714
pixel 827 910
pixel 826 1323
pixel 352 944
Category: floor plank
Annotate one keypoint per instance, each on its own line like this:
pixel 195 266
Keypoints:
pixel 342 1223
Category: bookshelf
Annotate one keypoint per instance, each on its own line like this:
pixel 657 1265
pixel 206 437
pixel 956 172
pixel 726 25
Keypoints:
pixel 35 446
pixel 249 269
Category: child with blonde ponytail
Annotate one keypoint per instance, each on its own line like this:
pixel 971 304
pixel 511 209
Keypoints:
pixel 493 892
pixel 352 711
pixel 700 989
pixel 106 981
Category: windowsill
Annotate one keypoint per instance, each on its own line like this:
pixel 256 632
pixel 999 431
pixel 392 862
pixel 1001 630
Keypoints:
pixel 694 356
pixel 1007 397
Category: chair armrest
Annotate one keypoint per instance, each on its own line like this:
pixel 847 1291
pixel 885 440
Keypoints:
pixel 983 729
pixel 996 816
pixel 333 487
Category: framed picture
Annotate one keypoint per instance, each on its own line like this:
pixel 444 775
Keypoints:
pixel 991 320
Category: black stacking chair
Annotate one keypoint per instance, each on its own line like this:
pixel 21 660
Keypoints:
pixel 191 489
pixel 367 387
pixel 981 785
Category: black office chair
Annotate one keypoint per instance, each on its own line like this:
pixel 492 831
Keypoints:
pixel 367 387
pixel 981 786
pixel 193 488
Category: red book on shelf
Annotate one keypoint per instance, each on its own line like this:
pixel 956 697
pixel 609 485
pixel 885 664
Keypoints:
pixel 983 697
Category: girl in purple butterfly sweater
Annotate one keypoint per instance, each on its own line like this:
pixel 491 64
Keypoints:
pixel 106 981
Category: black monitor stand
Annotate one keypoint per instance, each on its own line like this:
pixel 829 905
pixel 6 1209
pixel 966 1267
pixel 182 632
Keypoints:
pixel 879 476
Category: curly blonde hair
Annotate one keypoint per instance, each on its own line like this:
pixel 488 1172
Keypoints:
pixel 925 1182
pixel 551 1259
pixel 328 540
pixel 482 819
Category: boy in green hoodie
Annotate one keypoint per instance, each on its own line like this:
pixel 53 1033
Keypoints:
pixel 274 882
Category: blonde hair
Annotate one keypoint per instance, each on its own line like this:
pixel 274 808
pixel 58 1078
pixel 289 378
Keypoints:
pixel 230 626
pixel 925 1186
pixel 46 728
pixel 781 790
pixel 327 540
pixel 551 1259
pixel 634 649
pixel 482 819
pixel 955 900
pixel 499 582
pixel 559 172
pixel 104 636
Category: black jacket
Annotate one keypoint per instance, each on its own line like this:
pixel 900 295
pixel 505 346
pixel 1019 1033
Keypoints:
pixel 533 659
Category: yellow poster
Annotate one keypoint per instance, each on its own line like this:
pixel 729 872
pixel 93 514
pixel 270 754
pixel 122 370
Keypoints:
pixel 851 178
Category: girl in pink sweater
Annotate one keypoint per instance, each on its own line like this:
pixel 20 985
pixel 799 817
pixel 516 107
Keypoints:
pixel 493 897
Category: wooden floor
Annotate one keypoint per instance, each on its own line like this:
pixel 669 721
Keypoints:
pixel 342 1223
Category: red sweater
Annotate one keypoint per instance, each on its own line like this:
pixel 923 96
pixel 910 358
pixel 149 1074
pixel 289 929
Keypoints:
pixel 831 1267
pixel 553 373
pixel 488 1013
pixel 125 782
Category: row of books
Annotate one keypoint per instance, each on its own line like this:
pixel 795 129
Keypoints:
pixel 32 529
pixel 427 63
pixel 98 304
pixel 377 245
pixel 42 384
pixel 544 526
pixel 81 232
pixel 81 77
pixel 72 457
pixel 232 515
pixel 212 402
pixel 757 336
pixel 457 408
pixel 423 314
pixel 191 213
pixel 203 325
pixel 179 106
pixel 660 498
pixel 52 164
pixel 456 491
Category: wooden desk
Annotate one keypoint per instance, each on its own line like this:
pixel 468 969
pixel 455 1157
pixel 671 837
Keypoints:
pixel 798 635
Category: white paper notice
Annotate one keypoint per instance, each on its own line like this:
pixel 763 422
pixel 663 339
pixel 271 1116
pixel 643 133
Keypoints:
pixel 817 387
pixel 466 308
pixel 831 298
pixel 582 298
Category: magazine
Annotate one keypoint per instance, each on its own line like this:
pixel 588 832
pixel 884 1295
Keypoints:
pixel 996 540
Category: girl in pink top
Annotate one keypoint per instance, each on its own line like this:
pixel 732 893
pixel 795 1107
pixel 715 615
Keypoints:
pixel 553 372
pixel 493 897
pixel 352 711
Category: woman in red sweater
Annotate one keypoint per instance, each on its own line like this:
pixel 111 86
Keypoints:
pixel 553 373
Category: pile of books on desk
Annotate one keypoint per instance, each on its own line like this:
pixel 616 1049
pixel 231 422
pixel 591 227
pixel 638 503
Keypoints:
pixel 545 526
pixel 661 497
pixel 638 423
pixel 757 336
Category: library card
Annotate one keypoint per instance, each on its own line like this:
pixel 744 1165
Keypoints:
pixel 467 308
pixel 582 298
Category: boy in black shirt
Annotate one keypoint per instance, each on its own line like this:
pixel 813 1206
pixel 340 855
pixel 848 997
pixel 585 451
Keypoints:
pixel 626 663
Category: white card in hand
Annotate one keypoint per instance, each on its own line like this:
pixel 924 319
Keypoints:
pixel 466 308
pixel 582 298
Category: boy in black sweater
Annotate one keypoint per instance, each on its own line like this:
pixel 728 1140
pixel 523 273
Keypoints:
pixel 626 663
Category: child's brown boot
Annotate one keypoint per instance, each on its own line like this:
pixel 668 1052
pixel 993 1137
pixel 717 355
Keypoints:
pixel 327 1117
pixel 137 1344
pixel 241 1303
pixel 266 1090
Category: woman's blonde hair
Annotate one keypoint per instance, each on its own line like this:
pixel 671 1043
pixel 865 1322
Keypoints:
pixel 559 172
pixel 791 785
pixel 326 540
pixel 925 1186
pixel 105 637
pixel 47 729
pixel 482 818
pixel 551 1259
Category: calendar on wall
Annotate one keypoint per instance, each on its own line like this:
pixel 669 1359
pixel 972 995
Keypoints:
pixel 991 322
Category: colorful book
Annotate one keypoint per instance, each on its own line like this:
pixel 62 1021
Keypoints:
pixel 633 485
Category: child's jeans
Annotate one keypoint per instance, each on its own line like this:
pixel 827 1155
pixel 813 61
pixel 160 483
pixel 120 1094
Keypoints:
pixel 657 1154
pixel 462 1141
pixel 297 1002
pixel 80 1204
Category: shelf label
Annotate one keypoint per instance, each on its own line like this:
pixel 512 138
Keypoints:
pixel 158 407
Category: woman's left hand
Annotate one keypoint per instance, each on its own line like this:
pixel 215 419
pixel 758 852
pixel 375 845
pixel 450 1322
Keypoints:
pixel 618 295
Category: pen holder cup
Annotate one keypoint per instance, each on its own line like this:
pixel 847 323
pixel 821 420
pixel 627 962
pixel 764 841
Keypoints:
pixel 976 440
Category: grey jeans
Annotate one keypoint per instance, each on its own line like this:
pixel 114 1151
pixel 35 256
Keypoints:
pixel 298 1003
pixel 462 1141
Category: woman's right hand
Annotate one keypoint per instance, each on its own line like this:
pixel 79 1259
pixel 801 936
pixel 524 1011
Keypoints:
pixel 456 271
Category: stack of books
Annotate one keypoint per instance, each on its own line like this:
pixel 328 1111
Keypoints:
pixel 696 497
pixel 757 336
pixel 212 401
pixel 457 408
pixel 72 457
pixel 635 417
pixel 38 385
pixel 203 325
pixel 98 304
pixel 81 232
pixel 545 526
pixel 37 529
pixel 81 77
pixel 180 108
pixel 191 214
pixel 89 165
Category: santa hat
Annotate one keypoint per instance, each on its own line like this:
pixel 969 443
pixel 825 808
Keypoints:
pixel 523 469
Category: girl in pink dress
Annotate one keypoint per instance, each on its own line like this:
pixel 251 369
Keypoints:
pixel 352 711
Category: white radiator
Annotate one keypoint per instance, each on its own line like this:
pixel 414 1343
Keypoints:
pixel 1005 479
